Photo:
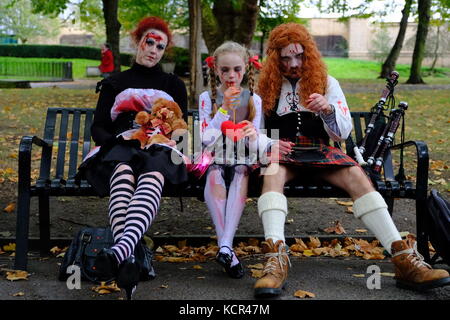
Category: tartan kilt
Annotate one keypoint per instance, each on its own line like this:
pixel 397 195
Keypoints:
pixel 320 155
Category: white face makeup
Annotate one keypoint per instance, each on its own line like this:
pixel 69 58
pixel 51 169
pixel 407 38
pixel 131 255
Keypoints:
pixel 151 47
pixel 291 60
pixel 230 68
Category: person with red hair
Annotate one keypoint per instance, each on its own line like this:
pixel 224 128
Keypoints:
pixel 309 109
pixel 133 177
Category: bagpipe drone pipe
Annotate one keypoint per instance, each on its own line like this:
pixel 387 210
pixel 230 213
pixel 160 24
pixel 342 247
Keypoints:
pixel 380 130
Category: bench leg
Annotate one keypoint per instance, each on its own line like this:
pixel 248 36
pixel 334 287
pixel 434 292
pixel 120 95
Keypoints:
pixel 421 226
pixel 22 230
pixel 44 224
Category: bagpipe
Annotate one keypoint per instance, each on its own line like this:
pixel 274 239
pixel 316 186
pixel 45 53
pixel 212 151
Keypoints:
pixel 381 129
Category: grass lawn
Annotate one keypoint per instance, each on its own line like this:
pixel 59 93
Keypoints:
pixel 352 71
pixel 22 112
pixel 361 71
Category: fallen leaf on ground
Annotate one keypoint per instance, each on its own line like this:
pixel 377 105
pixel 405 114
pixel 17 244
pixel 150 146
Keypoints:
pixel 9 247
pixel 298 246
pixel 361 230
pixel 308 253
pixel 19 294
pixel 58 251
pixel 182 243
pixel 358 275
pixel 164 286
pixel 349 210
pixel 319 251
pixel 374 256
pixel 105 288
pixel 159 250
pixel 304 294
pixel 16 275
pixel 197 267
pixel 337 228
pixel 344 203
pixel 313 242
pixel 253 242
pixel 252 249
pixel 10 207
pixel 172 259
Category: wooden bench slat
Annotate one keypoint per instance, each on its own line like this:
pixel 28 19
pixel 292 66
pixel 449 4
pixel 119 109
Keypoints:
pixel 73 155
pixel 87 132
pixel 46 156
pixel 60 159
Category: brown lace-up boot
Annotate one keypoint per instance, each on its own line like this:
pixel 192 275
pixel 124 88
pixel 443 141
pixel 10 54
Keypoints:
pixel 275 271
pixel 411 272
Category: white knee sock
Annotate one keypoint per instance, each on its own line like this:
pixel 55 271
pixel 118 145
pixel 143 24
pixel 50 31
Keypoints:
pixel 372 210
pixel 272 208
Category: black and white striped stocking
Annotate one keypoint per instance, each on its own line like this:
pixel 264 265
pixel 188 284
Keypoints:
pixel 140 213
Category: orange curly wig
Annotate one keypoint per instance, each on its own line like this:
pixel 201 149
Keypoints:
pixel 313 69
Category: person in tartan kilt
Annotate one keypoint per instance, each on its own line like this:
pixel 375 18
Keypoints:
pixel 309 110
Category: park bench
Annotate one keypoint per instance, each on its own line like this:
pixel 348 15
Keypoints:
pixel 67 139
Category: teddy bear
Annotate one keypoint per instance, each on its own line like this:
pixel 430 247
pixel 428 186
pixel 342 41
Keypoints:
pixel 165 118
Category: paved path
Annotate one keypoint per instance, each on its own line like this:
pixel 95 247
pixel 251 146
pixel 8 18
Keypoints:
pixel 77 84
pixel 328 278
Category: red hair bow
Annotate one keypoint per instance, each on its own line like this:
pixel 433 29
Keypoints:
pixel 210 62
pixel 254 60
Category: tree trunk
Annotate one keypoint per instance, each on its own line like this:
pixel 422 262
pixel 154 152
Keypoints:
pixel 391 60
pixel 261 43
pixel 415 76
pixel 195 37
pixel 229 20
pixel 436 49
pixel 209 27
pixel 113 25
pixel 247 23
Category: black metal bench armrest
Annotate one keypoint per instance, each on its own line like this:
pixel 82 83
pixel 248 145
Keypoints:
pixel 423 158
pixel 25 147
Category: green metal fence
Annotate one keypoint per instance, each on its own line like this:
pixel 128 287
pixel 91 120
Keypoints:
pixel 56 71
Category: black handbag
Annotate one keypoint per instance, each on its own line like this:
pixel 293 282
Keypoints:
pixel 439 226
pixel 87 244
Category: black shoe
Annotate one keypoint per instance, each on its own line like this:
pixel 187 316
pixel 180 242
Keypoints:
pixel 106 265
pixel 224 259
pixel 128 276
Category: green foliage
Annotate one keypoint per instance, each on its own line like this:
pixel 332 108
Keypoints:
pixel 17 18
pixel 174 12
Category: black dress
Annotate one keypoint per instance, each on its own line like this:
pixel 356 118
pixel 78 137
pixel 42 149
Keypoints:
pixel 99 168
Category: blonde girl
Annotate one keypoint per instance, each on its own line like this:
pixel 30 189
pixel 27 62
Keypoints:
pixel 226 184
